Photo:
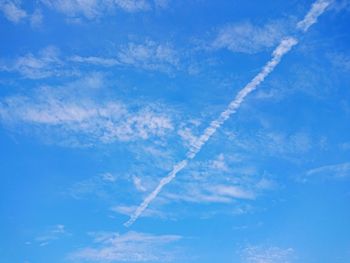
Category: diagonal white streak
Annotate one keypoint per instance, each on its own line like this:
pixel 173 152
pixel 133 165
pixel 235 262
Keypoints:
pixel 317 9
pixel 285 45
pixel 283 48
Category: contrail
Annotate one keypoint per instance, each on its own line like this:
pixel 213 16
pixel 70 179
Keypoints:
pixel 316 10
pixel 283 48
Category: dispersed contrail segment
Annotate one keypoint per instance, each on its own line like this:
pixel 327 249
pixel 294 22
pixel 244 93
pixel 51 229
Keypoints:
pixel 283 48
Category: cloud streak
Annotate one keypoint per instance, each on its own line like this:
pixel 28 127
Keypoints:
pixel 316 10
pixel 128 247
pixel 285 45
pixel 283 48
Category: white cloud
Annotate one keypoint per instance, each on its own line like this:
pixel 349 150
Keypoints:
pixel 108 177
pixel 36 18
pixel 248 38
pixel 101 186
pixel 219 163
pixel 99 61
pixel 226 183
pixel 88 8
pixel 45 64
pixel 275 143
pixel 210 193
pixel 92 9
pixel 133 5
pixel 131 246
pixel 70 115
pixel 340 170
pixel 12 11
pixel 51 234
pixel 128 210
pixel 263 254
pixel 149 55
pixel 231 191
pixel 340 60
pixel 48 62
pixel 138 184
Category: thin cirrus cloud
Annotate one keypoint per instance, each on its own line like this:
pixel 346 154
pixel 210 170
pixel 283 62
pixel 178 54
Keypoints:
pixel 248 38
pixel 266 254
pixel 49 62
pixel 148 55
pixel 128 210
pixel 58 110
pixel 51 234
pixel 131 246
pixel 92 9
pixel 340 170
pixel 14 13
pixel 283 48
pixel 46 63
pixel 221 180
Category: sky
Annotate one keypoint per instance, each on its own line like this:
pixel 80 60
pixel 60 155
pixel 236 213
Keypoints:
pixel 175 131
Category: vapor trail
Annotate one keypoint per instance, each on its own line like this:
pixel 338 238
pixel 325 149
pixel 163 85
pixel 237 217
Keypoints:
pixel 283 48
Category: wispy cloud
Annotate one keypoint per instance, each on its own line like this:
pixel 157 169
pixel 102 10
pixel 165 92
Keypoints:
pixel 45 64
pixel 276 143
pixel 138 184
pixel 49 62
pixel 219 181
pixel 12 11
pixel 93 9
pixel 133 5
pixel 101 185
pixel 340 60
pixel 131 246
pixel 51 234
pixel 128 210
pixel 248 38
pixel 263 254
pixel 99 61
pixel 87 8
pixel 149 55
pixel 67 113
pixel 340 170
pixel 205 193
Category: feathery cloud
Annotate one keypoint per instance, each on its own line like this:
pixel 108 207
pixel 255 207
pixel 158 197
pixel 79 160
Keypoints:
pixel 341 170
pixel 149 55
pixel 131 246
pixel 248 38
pixel 93 9
pixel 51 234
pixel 262 254
pixel 46 63
pixel 67 113
pixel 12 11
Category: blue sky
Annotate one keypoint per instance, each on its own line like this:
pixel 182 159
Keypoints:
pixel 174 131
